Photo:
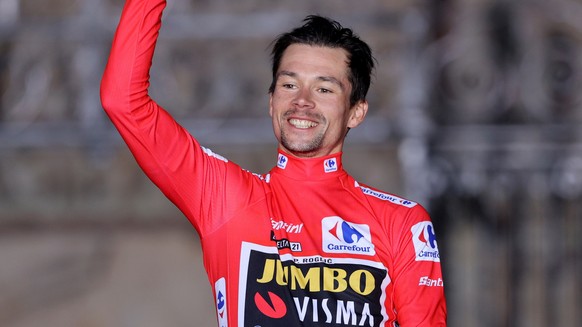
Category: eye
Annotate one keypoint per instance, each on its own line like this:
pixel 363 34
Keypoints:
pixel 288 86
pixel 324 90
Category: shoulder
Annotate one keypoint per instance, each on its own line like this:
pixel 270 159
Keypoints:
pixel 393 211
pixel 231 170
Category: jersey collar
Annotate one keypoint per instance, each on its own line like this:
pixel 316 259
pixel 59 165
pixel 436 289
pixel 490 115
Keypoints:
pixel 309 168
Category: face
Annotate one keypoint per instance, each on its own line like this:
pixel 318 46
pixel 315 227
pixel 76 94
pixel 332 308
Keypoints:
pixel 310 104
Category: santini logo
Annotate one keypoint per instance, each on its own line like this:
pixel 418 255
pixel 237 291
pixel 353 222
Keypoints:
pixel 425 243
pixel 426 281
pixel 339 236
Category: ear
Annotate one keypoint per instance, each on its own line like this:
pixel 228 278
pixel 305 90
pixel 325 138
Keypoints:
pixel 358 113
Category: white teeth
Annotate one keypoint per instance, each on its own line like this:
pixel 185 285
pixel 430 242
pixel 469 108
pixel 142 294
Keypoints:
pixel 299 123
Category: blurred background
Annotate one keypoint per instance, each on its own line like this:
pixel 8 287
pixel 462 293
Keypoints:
pixel 475 113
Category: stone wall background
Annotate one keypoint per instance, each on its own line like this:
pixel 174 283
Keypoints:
pixel 475 113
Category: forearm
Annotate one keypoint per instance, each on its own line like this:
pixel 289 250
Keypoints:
pixel 124 87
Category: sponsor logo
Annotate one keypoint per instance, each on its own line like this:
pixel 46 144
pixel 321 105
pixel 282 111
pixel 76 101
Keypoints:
pixel 273 308
pixel 345 312
pixel 425 243
pixel 426 281
pixel 282 161
pixel 220 290
pixel 259 176
pixel 214 155
pixel 339 236
pixel 388 197
pixel 330 165
pixel 287 227
pixel 286 292
pixel 317 279
pixel 285 243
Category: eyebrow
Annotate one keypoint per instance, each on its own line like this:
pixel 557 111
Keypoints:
pixel 330 79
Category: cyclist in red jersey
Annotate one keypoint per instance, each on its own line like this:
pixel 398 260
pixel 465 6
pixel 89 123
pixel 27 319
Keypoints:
pixel 305 244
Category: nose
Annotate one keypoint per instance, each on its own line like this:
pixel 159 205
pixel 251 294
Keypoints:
pixel 303 99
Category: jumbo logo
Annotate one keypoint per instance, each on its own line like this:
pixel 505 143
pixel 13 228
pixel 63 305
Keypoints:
pixel 425 243
pixel 317 279
pixel 292 293
pixel 340 236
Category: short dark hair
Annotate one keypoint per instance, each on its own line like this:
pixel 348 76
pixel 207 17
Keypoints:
pixel 323 31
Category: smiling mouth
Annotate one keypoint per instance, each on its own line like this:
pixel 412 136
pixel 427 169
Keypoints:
pixel 301 123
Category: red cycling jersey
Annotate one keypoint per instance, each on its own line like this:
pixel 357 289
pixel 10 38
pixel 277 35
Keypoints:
pixel 305 244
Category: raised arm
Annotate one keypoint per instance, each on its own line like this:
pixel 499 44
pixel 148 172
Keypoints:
pixel 166 152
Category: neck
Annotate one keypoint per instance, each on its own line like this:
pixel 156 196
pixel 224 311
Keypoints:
pixel 317 153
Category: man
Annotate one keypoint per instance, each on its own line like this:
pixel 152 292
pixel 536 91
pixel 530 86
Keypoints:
pixel 305 244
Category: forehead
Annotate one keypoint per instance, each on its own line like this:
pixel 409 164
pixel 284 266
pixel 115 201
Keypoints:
pixel 318 60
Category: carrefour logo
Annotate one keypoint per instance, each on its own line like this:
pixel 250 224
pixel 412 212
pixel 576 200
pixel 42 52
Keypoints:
pixel 425 243
pixel 282 161
pixel 340 236
pixel 330 165
pixel 220 290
